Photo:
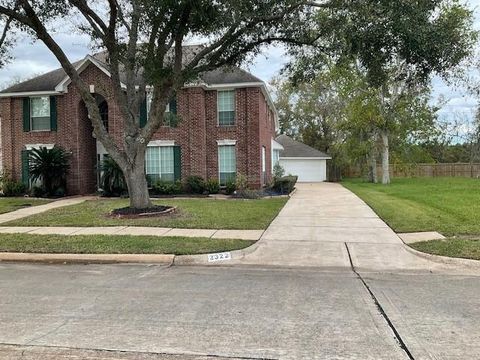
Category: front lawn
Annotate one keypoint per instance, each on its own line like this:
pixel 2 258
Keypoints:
pixel 191 213
pixel 461 248
pixel 116 244
pixel 450 206
pixel 8 204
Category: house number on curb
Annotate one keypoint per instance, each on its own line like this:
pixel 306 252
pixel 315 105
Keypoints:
pixel 219 257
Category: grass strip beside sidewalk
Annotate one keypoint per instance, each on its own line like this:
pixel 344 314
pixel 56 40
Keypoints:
pixel 116 244
pixel 452 247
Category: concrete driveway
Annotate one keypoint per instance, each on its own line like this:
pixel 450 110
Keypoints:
pixel 326 225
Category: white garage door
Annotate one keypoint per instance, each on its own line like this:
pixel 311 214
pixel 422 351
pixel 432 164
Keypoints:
pixel 307 170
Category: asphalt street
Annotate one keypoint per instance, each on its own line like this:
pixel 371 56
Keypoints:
pixel 155 312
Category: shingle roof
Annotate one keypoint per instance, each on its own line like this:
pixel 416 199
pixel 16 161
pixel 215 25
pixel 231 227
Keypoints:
pixel 48 81
pixel 45 82
pixel 293 148
pixel 228 75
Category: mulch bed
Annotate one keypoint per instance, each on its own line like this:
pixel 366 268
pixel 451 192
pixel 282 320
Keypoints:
pixel 131 213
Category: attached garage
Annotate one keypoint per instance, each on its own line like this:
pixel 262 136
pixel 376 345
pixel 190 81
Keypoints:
pixel 309 164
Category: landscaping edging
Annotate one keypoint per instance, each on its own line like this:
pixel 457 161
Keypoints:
pixel 469 263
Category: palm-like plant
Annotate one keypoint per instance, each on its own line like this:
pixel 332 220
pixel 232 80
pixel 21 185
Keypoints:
pixel 113 181
pixel 50 166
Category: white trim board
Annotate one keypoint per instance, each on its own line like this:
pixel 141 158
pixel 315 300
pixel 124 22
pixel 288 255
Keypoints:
pixel 30 94
pixel 226 142
pixel 38 146
pixel 161 143
pixel 306 158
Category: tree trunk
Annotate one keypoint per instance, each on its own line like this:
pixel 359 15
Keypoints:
pixel 385 158
pixel 137 186
pixel 372 167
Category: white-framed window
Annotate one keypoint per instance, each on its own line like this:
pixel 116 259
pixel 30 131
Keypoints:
pixel 159 163
pixel 226 107
pixel 264 164
pixel 227 163
pixel 275 157
pixel 40 113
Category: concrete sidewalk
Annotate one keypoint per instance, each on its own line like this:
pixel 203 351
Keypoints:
pixel 134 231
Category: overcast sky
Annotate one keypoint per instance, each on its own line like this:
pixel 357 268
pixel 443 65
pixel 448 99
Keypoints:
pixel 33 58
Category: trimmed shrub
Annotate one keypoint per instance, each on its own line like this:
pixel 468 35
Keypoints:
pixel 241 182
pixel 13 188
pixel 278 171
pixel 230 187
pixel 37 191
pixel 285 184
pixel 212 186
pixel 195 184
pixel 167 187
pixel 248 194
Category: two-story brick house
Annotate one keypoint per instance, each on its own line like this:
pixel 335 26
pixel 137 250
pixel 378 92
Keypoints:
pixel 226 126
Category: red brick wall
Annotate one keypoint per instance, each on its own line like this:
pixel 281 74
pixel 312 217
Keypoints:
pixel 197 132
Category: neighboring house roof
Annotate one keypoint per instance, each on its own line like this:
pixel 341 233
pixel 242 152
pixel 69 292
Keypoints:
pixel 296 149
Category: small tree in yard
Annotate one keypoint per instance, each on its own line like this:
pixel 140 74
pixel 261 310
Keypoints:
pixel 50 166
pixel 146 37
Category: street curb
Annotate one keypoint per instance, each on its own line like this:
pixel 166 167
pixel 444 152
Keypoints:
pixel 469 263
pixel 202 259
pixel 88 258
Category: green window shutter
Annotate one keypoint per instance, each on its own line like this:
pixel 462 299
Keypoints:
pixel 177 163
pixel 172 106
pixel 25 167
pixel 26 114
pixel 53 113
pixel 143 113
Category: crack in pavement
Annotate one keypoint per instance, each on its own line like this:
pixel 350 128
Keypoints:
pixel 397 335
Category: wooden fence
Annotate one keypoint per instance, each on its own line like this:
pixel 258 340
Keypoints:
pixel 425 170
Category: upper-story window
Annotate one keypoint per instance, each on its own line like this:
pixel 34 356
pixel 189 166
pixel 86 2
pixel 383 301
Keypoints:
pixel 226 107
pixel 40 113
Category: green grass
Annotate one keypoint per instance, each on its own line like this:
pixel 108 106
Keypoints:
pixel 116 244
pixel 8 204
pixel 461 248
pixel 450 206
pixel 191 213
